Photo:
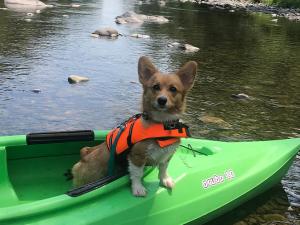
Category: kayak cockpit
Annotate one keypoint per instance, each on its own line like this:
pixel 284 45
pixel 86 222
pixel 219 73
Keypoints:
pixel 36 172
pixel 33 167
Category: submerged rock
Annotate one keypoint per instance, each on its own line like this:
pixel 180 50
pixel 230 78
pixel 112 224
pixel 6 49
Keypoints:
pixel 140 36
pixel 274 217
pixel 240 96
pixel 214 121
pixel 76 79
pixel 132 17
pixel 36 90
pixel 106 32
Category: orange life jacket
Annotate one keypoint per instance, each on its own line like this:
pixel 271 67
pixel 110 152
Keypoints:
pixel 133 130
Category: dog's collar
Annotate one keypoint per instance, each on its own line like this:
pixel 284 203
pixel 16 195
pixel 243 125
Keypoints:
pixel 170 124
pixel 145 116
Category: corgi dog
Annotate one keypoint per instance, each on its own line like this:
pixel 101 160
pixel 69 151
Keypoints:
pixel 163 100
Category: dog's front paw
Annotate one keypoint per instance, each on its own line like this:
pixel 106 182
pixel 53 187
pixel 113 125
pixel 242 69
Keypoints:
pixel 138 190
pixel 167 182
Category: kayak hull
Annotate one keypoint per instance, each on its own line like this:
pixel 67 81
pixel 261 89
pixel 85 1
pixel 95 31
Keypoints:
pixel 211 177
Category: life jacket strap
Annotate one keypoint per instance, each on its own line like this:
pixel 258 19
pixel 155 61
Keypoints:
pixel 164 142
pixel 113 148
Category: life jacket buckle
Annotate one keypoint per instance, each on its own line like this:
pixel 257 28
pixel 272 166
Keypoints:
pixel 172 125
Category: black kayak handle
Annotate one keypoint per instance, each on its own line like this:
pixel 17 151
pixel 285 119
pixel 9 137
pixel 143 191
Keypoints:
pixel 58 137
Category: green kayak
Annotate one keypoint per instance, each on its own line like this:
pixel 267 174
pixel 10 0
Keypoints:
pixel 211 177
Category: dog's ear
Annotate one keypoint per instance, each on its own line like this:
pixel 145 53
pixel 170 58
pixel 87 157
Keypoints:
pixel 145 69
pixel 187 74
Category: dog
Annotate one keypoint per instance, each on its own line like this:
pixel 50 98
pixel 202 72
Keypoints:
pixel 164 100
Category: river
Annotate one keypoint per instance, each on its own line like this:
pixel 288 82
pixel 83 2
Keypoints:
pixel 239 53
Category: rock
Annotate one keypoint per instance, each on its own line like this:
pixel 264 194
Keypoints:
pixel 162 3
pixel 289 13
pixel 38 11
pixel 174 44
pixel 25 2
pixel 94 35
pixel 129 17
pixel 240 223
pixel 106 32
pixel 74 5
pixel 27 6
pixel 214 121
pixel 36 90
pixel 120 21
pixel 240 96
pixel 275 20
pixel 65 16
pixel 252 220
pixel 274 217
pixel 132 17
pixel 185 47
pixel 76 79
pixel 294 204
pixel 189 48
pixel 157 19
pixel 140 36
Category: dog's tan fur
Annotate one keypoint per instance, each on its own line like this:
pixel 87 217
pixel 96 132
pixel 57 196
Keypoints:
pixel 173 88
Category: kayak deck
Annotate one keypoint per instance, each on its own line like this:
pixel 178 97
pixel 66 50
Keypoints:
pixel 211 177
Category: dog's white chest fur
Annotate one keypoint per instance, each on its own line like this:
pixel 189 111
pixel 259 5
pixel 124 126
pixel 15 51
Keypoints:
pixel 157 155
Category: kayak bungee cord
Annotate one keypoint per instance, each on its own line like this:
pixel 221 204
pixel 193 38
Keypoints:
pixel 189 147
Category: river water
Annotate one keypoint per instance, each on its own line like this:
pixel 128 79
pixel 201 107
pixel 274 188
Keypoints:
pixel 239 53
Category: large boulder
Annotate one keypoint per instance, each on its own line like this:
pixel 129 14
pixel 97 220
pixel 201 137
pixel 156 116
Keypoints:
pixel 132 17
pixel 25 2
pixel 106 32
pixel 24 5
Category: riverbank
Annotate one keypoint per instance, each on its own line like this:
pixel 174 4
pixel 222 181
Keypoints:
pixel 232 5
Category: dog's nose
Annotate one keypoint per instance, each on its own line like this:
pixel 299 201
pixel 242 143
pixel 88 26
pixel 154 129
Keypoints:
pixel 162 101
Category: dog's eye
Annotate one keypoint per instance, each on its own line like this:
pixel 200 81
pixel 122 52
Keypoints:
pixel 156 87
pixel 173 89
